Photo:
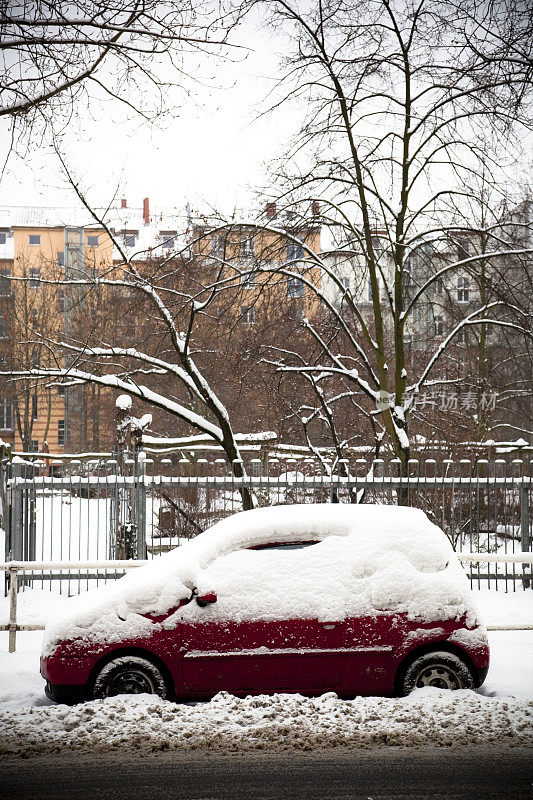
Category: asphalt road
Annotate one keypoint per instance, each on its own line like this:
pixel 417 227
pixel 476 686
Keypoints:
pixel 377 774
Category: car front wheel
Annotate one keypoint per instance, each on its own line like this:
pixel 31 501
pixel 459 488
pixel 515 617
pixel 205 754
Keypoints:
pixel 129 675
pixel 441 670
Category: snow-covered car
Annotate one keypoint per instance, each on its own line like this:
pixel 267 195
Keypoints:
pixel 355 599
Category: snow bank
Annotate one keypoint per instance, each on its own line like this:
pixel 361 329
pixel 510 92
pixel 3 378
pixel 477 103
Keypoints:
pixel 367 559
pixel 429 716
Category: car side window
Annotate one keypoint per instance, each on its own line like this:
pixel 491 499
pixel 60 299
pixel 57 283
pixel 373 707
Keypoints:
pixel 268 584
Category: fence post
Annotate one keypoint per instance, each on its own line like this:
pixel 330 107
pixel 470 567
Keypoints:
pixel 524 530
pixel 16 514
pixel 13 589
pixel 112 472
pixel 140 504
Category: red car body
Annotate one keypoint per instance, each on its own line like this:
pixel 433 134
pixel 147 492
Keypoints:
pixel 361 656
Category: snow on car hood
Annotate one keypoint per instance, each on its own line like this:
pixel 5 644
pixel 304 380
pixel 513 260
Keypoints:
pixel 368 559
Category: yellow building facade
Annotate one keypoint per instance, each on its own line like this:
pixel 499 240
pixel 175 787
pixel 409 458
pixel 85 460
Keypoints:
pixel 35 308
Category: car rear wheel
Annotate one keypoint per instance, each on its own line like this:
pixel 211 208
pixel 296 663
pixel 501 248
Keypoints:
pixel 441 670
pixel 129 675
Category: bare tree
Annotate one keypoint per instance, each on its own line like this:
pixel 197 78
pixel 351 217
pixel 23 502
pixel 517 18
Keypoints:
pixel 405 105
pixel 56 55
pixel 406 102
pixel 154 359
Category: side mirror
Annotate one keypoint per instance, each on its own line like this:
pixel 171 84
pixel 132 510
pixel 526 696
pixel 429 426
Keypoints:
pixel 206 599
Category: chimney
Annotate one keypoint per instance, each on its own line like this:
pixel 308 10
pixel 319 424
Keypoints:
pixel 146 211
pixel 123 203
pixel 271 210
pixel 315 208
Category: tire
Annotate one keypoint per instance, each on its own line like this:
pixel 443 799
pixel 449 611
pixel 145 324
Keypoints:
pixel 129 675
pixel 439 669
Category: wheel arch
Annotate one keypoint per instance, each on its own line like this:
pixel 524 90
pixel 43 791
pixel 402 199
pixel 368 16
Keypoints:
pixel 433 647
pixel 148 655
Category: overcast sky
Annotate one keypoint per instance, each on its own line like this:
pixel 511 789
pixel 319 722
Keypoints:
pixel 212 152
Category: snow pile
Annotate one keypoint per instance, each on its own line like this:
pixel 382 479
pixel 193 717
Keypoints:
pixel 367 559
pixel 283 722
pixel 123 402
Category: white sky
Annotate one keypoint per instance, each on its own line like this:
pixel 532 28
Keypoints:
pixel 212 152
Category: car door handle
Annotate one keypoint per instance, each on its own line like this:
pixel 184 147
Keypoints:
pixel 329 625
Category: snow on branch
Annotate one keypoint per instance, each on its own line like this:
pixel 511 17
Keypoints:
pixel 191 441
pixel 127 386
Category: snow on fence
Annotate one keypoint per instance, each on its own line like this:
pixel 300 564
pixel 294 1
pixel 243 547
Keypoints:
pixel 13 569
pixel 82 509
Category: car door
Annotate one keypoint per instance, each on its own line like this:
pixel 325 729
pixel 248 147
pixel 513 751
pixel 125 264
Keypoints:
pixel 252 642
pixel 370 644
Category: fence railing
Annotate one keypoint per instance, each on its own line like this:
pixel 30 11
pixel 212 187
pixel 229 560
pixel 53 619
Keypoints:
pixel 14 568
pixel 85 511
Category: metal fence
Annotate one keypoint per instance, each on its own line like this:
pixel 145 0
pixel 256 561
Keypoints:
pixel 82 510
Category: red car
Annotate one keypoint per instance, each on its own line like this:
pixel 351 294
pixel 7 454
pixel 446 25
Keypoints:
pixel 355 599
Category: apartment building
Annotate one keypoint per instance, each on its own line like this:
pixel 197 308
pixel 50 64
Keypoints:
pixel 36 249
pixel 257 261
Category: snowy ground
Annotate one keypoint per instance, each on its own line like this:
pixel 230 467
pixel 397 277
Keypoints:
pixel 501 713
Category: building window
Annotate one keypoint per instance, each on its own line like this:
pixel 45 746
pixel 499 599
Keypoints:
pixel 34 446
pixel 5 282
pixel 167 239
pixel 247 246
pixel 439 286
pixel 3 328
pixel 35 277
pixel 35 239
pixel 248 279
pixel 295 287
pixel 248 315
pixel 61 431
pixel 61 390
pixel 60 258
pixel 217 245
pixel 92 241
pixel 129 239
pixel 439 326
pixel 463 290
pixel 345 284
pixel 377 246
pixel 295 251
pixel 463 249
pixel 3 238
pixel 6 415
